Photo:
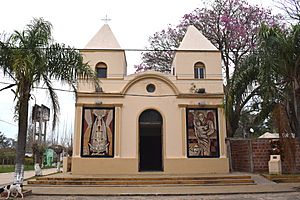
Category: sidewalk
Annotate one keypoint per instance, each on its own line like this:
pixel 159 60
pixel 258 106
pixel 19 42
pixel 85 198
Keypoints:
pixel 7 178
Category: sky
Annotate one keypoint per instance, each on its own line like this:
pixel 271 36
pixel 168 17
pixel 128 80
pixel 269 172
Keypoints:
pixel 75 22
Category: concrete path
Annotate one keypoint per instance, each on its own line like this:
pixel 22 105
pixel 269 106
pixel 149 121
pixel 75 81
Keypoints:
pixel 7 178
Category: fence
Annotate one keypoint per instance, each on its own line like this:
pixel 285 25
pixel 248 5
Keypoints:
pixel 252 155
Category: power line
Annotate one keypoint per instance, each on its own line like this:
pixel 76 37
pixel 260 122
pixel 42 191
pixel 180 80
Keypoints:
pixel 62 90
pixel 57 89
pixel 132 49
pixel 7 122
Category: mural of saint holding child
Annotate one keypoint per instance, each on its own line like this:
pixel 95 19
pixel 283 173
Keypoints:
pixel 202 133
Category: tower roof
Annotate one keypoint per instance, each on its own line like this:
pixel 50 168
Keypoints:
pixel 195 40
pixel 104 39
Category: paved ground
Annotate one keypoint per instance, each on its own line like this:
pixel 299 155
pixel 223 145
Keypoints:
pixel 7 178
pixel 262 190
pixel 267 196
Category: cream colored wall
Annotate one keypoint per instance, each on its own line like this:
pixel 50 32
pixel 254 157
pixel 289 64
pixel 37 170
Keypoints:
pixel 184 62
pixel 90 166
pixel 196 165
pixel 183 86
pixel 115 61
pixel 171 125
pixel 104 166
pixel 137 100
pixel 77 131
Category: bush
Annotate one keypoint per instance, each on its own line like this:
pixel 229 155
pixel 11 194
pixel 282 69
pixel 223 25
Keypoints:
pixel 7 156
pixel 29 161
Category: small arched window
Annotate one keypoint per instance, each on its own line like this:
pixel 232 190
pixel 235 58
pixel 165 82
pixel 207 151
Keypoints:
pixel 101 70
pixel 199 70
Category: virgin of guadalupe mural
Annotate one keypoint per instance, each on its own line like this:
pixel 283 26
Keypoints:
pixel 202 133
pixel 98 132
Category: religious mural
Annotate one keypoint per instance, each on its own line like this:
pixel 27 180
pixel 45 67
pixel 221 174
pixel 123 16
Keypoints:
pixel 202 133
pixel 97 132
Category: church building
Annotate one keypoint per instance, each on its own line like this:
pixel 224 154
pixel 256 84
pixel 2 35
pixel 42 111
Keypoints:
pixel 151 121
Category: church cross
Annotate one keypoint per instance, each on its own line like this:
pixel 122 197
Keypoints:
pixel 106 19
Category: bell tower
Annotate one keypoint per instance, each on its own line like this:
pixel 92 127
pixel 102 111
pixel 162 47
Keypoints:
pixel 196 57
pixel 105 56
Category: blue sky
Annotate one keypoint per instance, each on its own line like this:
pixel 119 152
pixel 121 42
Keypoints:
pixel 75 22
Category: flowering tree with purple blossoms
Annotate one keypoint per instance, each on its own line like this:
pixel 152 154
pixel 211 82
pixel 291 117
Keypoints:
pixel 159 55
pixel 231 25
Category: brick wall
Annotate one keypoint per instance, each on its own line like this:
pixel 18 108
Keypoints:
pixel 240 160
pixel 252 155
pixel 261 155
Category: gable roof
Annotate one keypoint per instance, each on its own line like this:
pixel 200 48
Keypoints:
pixel 195 40
pixel 104 39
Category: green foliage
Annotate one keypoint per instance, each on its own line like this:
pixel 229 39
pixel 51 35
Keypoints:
pixel 280 70
pixel 267 77
pixel 28 161
pixel 232 26
pixel 38 151
pixel 4 143
pixel 31 57
pixel 7 156
pixel 11 168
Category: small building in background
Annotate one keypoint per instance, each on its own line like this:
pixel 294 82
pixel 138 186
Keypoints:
pixel 48 157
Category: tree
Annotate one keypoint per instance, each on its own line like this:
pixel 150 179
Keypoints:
pixel 159 55
pixel 291 8
pixel 279 74
pixel 31 57
pixel 231 25
pixel 243 88
pixel 4 143
pixel 58 149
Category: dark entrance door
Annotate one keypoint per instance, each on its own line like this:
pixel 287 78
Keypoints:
pixel 150 141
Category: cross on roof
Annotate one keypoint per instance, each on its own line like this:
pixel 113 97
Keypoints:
pixel 106 19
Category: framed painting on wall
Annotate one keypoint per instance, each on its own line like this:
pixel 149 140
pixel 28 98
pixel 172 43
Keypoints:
pixel 202 132
pixel 97 139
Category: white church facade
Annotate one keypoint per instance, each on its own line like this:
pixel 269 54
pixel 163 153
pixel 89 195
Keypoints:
pixel 151 121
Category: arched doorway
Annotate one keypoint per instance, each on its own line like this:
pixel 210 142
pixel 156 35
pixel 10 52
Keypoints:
pixel 150 141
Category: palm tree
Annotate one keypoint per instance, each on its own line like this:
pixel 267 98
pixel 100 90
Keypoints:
pixel 31 57
pixel 280 70
pixel 241 95
pixel 272 73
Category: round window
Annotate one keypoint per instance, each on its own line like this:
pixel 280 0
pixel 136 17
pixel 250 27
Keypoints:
pixel 150 88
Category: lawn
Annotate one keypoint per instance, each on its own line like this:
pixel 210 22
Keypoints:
pixel 11 168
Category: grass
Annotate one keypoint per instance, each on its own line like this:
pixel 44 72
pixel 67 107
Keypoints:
pixel 11 168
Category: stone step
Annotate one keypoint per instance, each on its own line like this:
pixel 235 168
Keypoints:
pixel 286 179
pixel 290 178
pixel 141 181
pixel 138 178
